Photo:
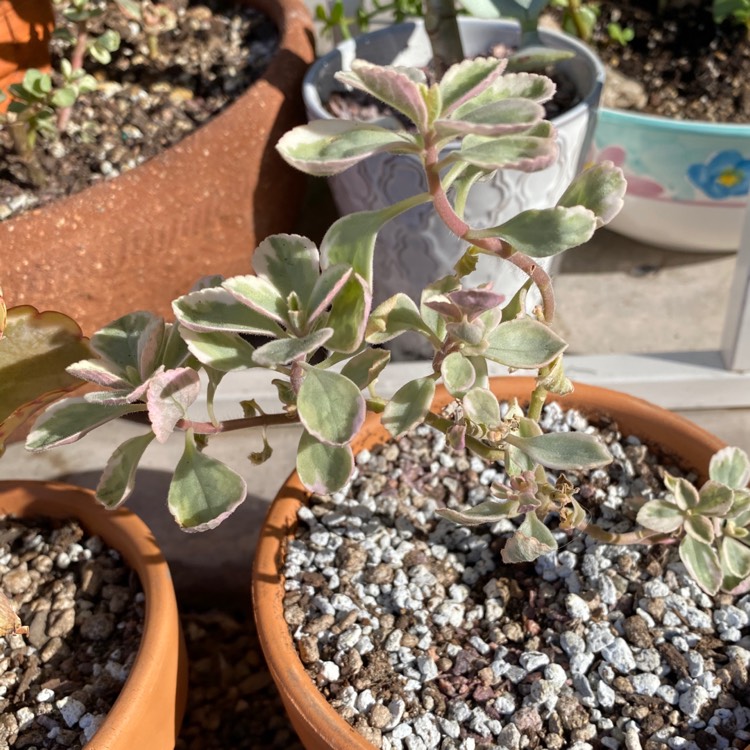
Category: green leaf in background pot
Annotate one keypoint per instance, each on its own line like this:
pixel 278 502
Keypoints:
pixel 409 406
pixel 323 468
pixel 118 478
pixel 330 406
pixel 203 491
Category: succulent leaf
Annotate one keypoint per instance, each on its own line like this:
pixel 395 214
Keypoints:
pixel 397 87
pixel 330 406
pixel 735 557
pixel 327 147
pixel 702 564
pixel 289 262
pixel 493 119
pixel 685 495
pixel 323 468
pixel 72 420
pixel 600 189
pixel 222 351
pixel 730 466
pixel 364 368
pixel 700 528
pixel 349 316
pixel 489 511
pixel 170 394
pixel 122 341
pixel 660 515
pixel 328 285
pixel 481 407
pixel 564 450
pixel 715 499
pixel 432 319
pixel 118 478
pixel 203 491
pixel 523 343
pixel 286 350
pixel 527 152
pixel 409 406
pixel 217 310
pixel 458 374
pixel 392 318
pixel 259 295
pixel 542 233
pixel 466 80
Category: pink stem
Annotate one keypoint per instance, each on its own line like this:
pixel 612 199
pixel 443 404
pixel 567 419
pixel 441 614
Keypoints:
pixel 76 63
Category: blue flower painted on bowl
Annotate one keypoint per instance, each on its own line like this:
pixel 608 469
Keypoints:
pixel 725 175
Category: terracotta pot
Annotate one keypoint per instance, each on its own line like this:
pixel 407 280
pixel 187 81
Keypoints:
pixel 317 724
pixel 149 710
pixel 201 207
pixel 25 29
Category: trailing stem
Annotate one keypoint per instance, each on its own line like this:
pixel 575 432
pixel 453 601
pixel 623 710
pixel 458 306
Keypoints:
pixel 76 63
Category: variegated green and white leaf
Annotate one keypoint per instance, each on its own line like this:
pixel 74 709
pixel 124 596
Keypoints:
pixel 489 511
pixel 284 351
pixel 409 406
pixel 523 343
pixel 118 478
pixel 119 342
pixel 685 495
pixel 222 351
pixel 730 466
pixel 458 374
pixel 702 564
pixel 600 189
pixel 661 516
pixel 481 407
pixel 259 295
pixel 715 499
pixel 493 119
pixel 393 317
pixel 203 491
pixel 467 79
pixel 349 315
pixel 170 394
pixel 564 450
pixel 330 406
pixel 364 368
pixel 531 540
pixel 700 528
pixel 290 262
pixel 323 468
pixel 735 557
pixel 328 285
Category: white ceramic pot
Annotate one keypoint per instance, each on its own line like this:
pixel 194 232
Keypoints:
pixel 416 248
pixel 688 181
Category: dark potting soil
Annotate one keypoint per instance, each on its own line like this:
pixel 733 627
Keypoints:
pixel 421 638
pixel 685 65
pixel 84 608
pixel 144 104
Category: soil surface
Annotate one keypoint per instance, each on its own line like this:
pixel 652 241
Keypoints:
pixel 144 104
pixel 683 64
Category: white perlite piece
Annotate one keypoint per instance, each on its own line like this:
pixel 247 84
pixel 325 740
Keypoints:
pixel 71 710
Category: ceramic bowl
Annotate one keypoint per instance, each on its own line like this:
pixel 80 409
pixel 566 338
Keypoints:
pixel 688 181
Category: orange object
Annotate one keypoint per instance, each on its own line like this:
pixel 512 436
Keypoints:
pixel 318 725
pixel 25 29
pixel 149 709
pixel 201 207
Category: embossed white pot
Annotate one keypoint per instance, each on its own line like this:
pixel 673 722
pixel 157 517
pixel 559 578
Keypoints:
pixel 416 248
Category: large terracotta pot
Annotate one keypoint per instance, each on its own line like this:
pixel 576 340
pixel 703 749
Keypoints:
pixel 149 709
pixel 201 207
pixel 317 724
pixel 25 29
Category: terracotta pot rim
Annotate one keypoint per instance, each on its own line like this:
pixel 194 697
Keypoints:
pixel 310 711
pixel 124 531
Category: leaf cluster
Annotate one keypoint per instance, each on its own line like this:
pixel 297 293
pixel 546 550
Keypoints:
pixel 712 523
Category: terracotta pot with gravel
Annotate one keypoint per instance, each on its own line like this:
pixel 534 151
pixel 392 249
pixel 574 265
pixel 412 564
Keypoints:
pixel 318 724
pixel 140 239
pixel 150 706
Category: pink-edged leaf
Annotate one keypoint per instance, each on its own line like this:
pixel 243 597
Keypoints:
pixel 700 528
pixel 323 468
pixel 258 294
pixel 702 564
pixel 497 118
pixel 531 151
pixel 330 406
pixel 474 302
pixel 660 515
pixel 118 478
pixel 401 88
pixel 98 372
pixel 168 398
pixel 149 347
pixel 536 88
pixel 203 491
pixel 730 466
pixel 444 307
pixel 329 284
pixel 290 262
pixel 71 420
pixel 456 437
pixel 327 147
pixel 286 350
pixel 489 511
pixel 349 315
pixel 600 189
pixel 467 79
pixel 113 398
pixel 364 368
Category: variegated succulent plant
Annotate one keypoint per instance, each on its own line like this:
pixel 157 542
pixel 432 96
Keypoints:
pixel 323 341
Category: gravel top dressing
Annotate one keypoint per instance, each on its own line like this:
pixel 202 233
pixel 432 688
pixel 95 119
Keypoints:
pixel 84 608
pixel 421 638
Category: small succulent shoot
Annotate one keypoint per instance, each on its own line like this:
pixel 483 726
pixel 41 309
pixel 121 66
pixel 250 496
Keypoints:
pixel 154 19
pixel 334 19
pixel 712 523
pixel 619 35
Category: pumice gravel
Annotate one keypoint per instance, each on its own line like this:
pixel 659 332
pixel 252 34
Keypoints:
pixel 84 607
pixel 421 638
